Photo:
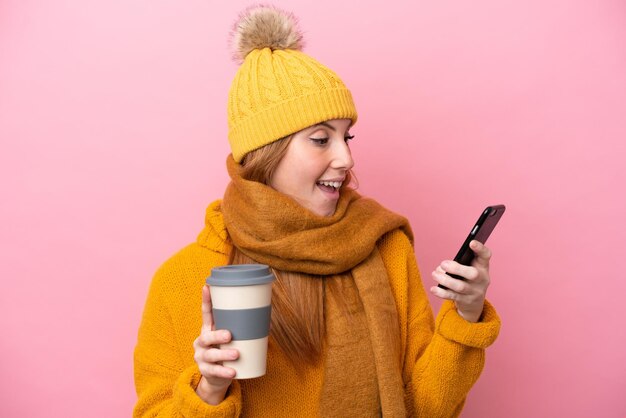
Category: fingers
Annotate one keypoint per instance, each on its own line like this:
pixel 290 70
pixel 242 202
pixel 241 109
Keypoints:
pixel 444 293
pixel 483 254
pixel 215 355
pixel 470 273
pixel 469 297
pixel 207 309
pixel 454 285
pixel 469 292
pixel 209 363
pixel 212 371
pixel 210 338
pixel 208 356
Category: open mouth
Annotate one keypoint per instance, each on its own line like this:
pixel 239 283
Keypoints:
pixel 329 186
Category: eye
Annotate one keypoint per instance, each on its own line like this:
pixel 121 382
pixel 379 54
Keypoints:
pixel 319 141
pixel 349 138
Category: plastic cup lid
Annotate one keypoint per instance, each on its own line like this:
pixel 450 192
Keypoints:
pixel 240 275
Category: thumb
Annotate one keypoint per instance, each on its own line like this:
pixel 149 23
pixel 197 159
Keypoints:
pixel 207 308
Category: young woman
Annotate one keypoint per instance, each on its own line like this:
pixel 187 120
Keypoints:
pixel 352 331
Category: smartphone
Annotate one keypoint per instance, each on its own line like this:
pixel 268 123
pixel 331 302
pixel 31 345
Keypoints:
pixel 480 232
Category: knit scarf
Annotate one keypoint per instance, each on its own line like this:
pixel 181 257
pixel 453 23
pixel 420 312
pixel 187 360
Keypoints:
pixel 273 229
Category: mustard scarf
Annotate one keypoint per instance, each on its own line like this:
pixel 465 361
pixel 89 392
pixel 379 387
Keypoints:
pixel 274 229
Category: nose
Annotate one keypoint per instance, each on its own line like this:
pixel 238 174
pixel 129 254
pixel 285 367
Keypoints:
pixel 342 156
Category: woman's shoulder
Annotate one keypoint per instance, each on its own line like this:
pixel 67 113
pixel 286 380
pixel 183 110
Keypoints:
pixel 396 251
pixel 395 243
pixel 188 267
pixel 190 256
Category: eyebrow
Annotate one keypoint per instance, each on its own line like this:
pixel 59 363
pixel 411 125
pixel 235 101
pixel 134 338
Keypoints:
pixel 327 125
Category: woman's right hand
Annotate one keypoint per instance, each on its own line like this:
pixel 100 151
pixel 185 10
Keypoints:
pixel 215 378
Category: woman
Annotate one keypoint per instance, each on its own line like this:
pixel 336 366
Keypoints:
pixel 352 332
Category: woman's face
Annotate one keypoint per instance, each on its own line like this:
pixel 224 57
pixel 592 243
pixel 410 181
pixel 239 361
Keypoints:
pixel 315 166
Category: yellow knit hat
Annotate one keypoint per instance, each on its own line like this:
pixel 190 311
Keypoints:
pixel 278 90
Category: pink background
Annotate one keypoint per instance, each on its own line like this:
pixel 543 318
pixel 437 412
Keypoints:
pixel 113 142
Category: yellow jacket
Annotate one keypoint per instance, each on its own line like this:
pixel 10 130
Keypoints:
pixel 442 359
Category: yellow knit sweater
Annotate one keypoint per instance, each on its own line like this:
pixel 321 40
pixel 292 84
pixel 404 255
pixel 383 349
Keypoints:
pixel 442 359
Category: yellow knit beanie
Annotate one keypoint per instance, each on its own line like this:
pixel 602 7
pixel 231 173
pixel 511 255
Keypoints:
pixel 278 90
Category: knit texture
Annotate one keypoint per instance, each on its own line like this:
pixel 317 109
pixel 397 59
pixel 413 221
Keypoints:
pixel 273 229
pixel 439 364
pixel 276 93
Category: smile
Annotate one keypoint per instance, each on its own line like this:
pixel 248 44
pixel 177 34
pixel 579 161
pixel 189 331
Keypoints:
pixel 333 184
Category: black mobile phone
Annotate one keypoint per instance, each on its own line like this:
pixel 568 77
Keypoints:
pixel 480 232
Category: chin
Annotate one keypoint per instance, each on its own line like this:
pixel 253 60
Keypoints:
pixel 327 211
pixel 322 208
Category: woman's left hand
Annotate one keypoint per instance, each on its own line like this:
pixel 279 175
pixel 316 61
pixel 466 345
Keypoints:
pixel 468 294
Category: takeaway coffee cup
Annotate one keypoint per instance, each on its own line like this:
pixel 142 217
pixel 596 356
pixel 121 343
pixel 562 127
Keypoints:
pixel 241 296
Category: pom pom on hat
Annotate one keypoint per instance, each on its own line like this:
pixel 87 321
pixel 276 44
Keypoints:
pixel 264 26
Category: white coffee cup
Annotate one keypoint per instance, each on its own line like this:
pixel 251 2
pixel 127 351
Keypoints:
pixel 241 295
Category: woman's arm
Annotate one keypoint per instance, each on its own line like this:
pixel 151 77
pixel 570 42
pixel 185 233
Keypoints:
pixel 451 360
pixel 442 359
pixel 165 383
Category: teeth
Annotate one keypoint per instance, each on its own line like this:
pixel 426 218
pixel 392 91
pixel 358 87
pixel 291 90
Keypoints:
pixel 335 184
